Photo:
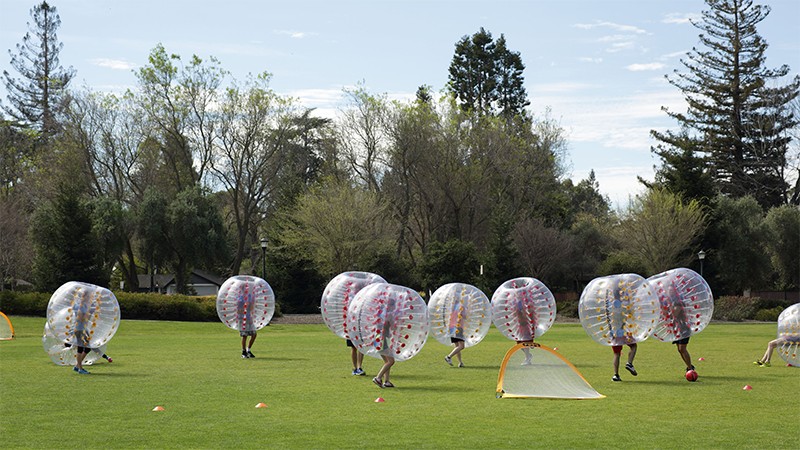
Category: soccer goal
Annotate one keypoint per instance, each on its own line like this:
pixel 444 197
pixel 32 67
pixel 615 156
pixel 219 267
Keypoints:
pixel 533 370
pixel 6 329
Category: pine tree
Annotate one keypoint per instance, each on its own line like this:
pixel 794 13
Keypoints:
pixel 737 120
pixel 36 97
pixel 486 77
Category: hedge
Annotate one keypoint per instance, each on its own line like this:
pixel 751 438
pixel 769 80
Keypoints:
pixel 145 306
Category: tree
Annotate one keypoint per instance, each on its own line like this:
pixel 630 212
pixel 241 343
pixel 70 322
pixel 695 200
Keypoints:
pixel 255 126
pixel 736 235
pixel 66 247
pixel 337 226
pixel 736 121
pixel 449 262
pixel 177 101
pixel 782 227
pixel 39 94
pixel 683 172
pixel 661 230
pixel 486 77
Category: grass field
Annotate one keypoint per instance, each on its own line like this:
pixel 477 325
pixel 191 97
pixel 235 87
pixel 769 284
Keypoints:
pixel 302 372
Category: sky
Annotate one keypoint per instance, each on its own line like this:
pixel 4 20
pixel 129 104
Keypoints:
pixel 595 66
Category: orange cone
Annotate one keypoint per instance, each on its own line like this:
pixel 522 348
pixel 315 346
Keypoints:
pixel 158 408
pixel 261 405
pixel 379 400
pixel 747 387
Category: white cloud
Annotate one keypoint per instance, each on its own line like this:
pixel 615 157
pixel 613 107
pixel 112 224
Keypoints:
pixel 620 46
pixel 611 25
pixel 645 66
pixel 672 55
pixel 294 34
pixel 590 60
pixel 680 18
pixel 115 64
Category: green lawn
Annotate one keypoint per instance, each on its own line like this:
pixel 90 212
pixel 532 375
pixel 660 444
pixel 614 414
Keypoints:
pixel 302 372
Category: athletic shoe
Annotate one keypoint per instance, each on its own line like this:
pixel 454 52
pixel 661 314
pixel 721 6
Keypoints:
pixel 388 384
pixel 757 363
pixel 629 368
pixel 448 360
pixel 360 372
pixel 75 369
pixel 461 364
pixel 616 378
pixel 250 354
pixel 355 372
pixel 244 354
pixel 377 382
pixel 527 362
pixel 83 371
pixel 766 364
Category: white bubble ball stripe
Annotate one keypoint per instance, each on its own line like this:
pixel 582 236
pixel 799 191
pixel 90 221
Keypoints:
pixel 245 303
pixel 523 309
pixel 618 309
pixel 459 310
pixel 789 329
pixel 83 314
pixel 387 319
pixel 685 301
pixel 64 355
pixel 338 294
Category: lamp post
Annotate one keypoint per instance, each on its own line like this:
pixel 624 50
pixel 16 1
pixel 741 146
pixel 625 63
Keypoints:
pixel 264 258
pixel 701 255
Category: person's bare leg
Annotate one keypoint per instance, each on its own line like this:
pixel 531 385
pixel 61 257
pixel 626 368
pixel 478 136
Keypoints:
pixel 684 352
pixel 354 357
pixel 457 351
pixel 771 346
pixel 632 353
pixel 616 362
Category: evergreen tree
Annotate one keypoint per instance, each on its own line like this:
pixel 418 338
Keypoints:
pixel 66 246
pixel 486 77
pixel 37 96
pixel 737 122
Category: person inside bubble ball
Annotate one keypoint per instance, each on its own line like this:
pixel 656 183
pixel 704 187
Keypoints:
pixel 457 335
pixel 96 350
pixel 771 346
pixel 629 365
pixel 681 344
pixel 382 378
pixel 245 306
pixel 82 339
pixel 357 357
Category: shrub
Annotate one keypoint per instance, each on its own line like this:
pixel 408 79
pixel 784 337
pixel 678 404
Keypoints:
pixel 769 315
pixel 567 304
pixel 143 306
pixel 735 308
pixel 24 303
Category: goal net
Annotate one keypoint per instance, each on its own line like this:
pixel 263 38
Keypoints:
pixel 6 329
pixel 533 370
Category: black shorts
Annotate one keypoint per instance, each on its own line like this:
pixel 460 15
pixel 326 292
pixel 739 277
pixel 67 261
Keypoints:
pixel 350 343
pixel 453 340
pixel 83 349
pixel 683 341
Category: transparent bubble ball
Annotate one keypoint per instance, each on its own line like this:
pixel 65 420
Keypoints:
pixel 459 311
pixel 618 309
pixel 387 319
pixel 523 309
